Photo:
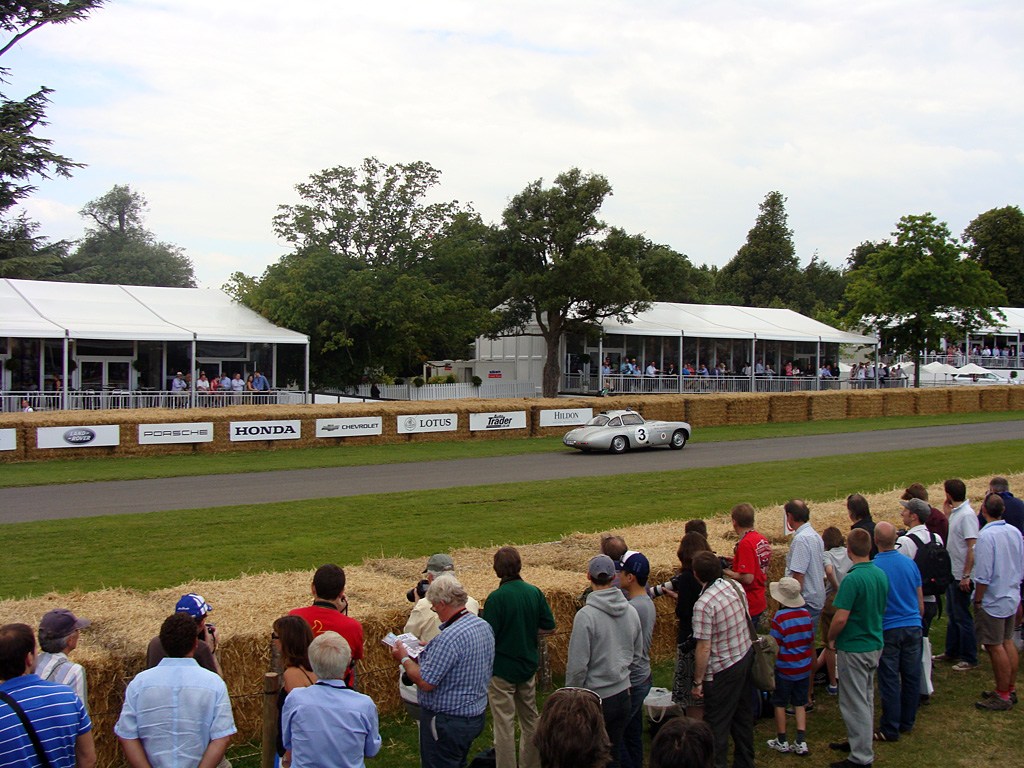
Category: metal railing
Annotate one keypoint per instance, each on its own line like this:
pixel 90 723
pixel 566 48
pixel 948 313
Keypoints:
pixel 959 361
pixel 577 383
pixel 95 399
pixel 505 389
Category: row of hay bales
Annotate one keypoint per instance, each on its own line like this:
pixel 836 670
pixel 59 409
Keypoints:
pixel 698 410
pixel 123 620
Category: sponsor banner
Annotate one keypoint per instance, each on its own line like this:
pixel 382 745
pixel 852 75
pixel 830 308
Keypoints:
pixel 566 417
pixel 499 420
pixel 282 429
pixel 8 439
pixel 78 437
pixel 185 432
pixel 428 422
pixel 494 374
pixel 369 425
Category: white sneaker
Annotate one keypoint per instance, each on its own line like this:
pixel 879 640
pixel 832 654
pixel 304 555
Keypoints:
pixel 778 746
pixel 799 748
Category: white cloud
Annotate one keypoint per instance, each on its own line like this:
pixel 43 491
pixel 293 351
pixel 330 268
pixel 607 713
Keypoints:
pixel 693 110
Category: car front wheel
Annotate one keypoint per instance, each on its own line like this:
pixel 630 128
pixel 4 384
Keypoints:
pixel 619 444
pixel 678 440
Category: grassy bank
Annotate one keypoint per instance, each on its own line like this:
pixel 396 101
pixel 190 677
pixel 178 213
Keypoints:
pixel 139 468
pixel 168 548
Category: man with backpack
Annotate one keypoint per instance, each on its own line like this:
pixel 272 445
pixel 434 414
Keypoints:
pixel 928 551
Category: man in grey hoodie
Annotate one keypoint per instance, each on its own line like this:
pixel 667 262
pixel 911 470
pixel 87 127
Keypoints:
pixel 606 641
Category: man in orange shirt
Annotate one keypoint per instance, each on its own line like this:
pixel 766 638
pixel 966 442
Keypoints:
pixel 328 613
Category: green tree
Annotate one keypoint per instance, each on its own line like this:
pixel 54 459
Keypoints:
pixel 765 269
pixel 24 155
pixel 552 267
pixel 820 289
pixel 918 289
pixel 666 274
pixel 379 279
pixel 995 240
pixel 118 249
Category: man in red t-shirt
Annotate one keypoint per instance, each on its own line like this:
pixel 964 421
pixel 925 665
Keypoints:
pixel 750 561
pixel 327 613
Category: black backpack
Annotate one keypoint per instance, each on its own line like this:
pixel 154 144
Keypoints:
pixel 933 561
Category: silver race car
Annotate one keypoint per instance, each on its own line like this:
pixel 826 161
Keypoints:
pixel 618 431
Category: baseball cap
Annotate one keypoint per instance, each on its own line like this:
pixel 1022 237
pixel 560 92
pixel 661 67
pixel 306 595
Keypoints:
pixel 439 564
pixel 601 567
pixel 920 508
pixel 636 564
pixel 787 592
pixel 60 622
pixel 192 604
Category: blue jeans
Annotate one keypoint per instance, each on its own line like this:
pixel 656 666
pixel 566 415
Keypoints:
pixel 960 640
pixel 899 679
pixel 445 739
pixel 616 713
pixel 633 738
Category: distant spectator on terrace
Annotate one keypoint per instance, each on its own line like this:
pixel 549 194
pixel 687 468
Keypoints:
pixel 260 383
pixel 652 370
pixel 248 384
pixel 178 382
pixel 237 384
pixel 203 383
pixel 671 370
pixel 26 407
pixel 225 382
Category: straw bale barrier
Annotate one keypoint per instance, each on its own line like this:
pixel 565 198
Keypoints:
pixel 699 410
pixel 865 404
pixel 827 406
pixel 748 409
pixel 900 402
pixel 931 401
pixel 791 406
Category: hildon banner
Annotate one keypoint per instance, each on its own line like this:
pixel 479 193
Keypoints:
pixel 290 429
pixel 428 422
pixel 567 417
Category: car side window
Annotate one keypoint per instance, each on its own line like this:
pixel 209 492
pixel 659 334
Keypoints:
pixel 616 422
pixel 632 419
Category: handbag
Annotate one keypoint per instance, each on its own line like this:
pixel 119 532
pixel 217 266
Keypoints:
pixel 766 648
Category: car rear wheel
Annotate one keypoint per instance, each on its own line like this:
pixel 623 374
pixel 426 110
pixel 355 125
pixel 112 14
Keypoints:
pixel 619 444
pixel 678 439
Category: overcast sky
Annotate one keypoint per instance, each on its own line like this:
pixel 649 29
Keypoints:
pixel 858 113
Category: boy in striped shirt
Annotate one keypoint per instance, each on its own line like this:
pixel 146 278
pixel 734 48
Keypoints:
pixel 791 627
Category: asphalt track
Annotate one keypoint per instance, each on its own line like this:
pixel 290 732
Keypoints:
pixel 51 502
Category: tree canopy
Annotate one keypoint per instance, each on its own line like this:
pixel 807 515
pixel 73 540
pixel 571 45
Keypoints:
pixel 919 288
pixel 995 240
pixel 557 264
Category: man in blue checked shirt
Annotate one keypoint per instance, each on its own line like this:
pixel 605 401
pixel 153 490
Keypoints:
pixel 452 673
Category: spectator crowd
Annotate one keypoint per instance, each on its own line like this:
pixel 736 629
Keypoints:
pixel 856 607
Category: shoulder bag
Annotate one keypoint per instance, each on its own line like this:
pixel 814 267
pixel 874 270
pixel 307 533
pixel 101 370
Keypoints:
pixel 762 671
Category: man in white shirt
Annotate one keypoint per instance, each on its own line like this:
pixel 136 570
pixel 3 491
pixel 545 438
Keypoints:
pixel 915 514
pixel 961 642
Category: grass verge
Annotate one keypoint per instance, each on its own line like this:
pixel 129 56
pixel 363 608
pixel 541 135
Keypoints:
pixel 149 467
pixel 167 548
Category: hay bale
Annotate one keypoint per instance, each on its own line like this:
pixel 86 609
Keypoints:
pixel 964 399
pixel 1015 399
pixel 748 409
pixel 897 402
pixel 791 406
pixel 708 410
pixel 994 398
pixel 827 406
pixel 930 401
pixel 865 404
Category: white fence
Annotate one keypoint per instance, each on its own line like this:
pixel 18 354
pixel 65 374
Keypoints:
pixel 508 389
pixel 94 400
pixel 655 385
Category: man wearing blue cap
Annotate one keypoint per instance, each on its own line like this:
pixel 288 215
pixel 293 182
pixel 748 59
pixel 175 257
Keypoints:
pixel 205 655
pixel 633 574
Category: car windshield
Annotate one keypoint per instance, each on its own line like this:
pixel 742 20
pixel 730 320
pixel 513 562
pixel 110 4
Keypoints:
pixel 598 421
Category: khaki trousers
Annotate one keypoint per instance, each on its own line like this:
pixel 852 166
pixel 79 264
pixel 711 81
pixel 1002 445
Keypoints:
pixel 508 700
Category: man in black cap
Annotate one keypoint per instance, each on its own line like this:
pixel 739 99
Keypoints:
pixel 58 636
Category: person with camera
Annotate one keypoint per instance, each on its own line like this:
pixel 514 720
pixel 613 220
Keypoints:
pixel 329 613
pixel 206 649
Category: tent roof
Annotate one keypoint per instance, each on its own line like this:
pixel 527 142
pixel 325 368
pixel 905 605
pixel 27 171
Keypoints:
pixel 39 309
pixel 729 322
pixel 1014 323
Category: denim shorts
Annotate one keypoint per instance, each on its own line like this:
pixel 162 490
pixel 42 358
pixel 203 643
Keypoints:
pixel 789 691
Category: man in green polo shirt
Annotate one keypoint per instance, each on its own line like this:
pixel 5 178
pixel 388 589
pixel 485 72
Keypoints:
pixel 857 634
pixel 517 612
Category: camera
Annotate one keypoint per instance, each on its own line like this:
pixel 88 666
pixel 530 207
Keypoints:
pixel 420 590
pixel 206 631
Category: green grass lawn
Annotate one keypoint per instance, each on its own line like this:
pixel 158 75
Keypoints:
pixel 92 470
pixel 168 548
pixel 949 732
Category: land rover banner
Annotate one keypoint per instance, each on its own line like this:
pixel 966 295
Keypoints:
pixel 428 422
pixel 368 425
pixel 91 436
pixel 265 430
pixel 502 420
pixel 190 432
pixel 566 417
pixel 8 439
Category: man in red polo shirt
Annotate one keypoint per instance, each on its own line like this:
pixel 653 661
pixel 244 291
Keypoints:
pixel 750 561
pixel 328 612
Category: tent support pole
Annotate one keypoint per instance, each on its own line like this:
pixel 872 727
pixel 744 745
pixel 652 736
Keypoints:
pixel 305 394
pixel 876 365
pixel 753 361
pixel 64 374
pixel 817 376
pixel 600 361
pixel 679 368
pixel 273 366
pixel 192 378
